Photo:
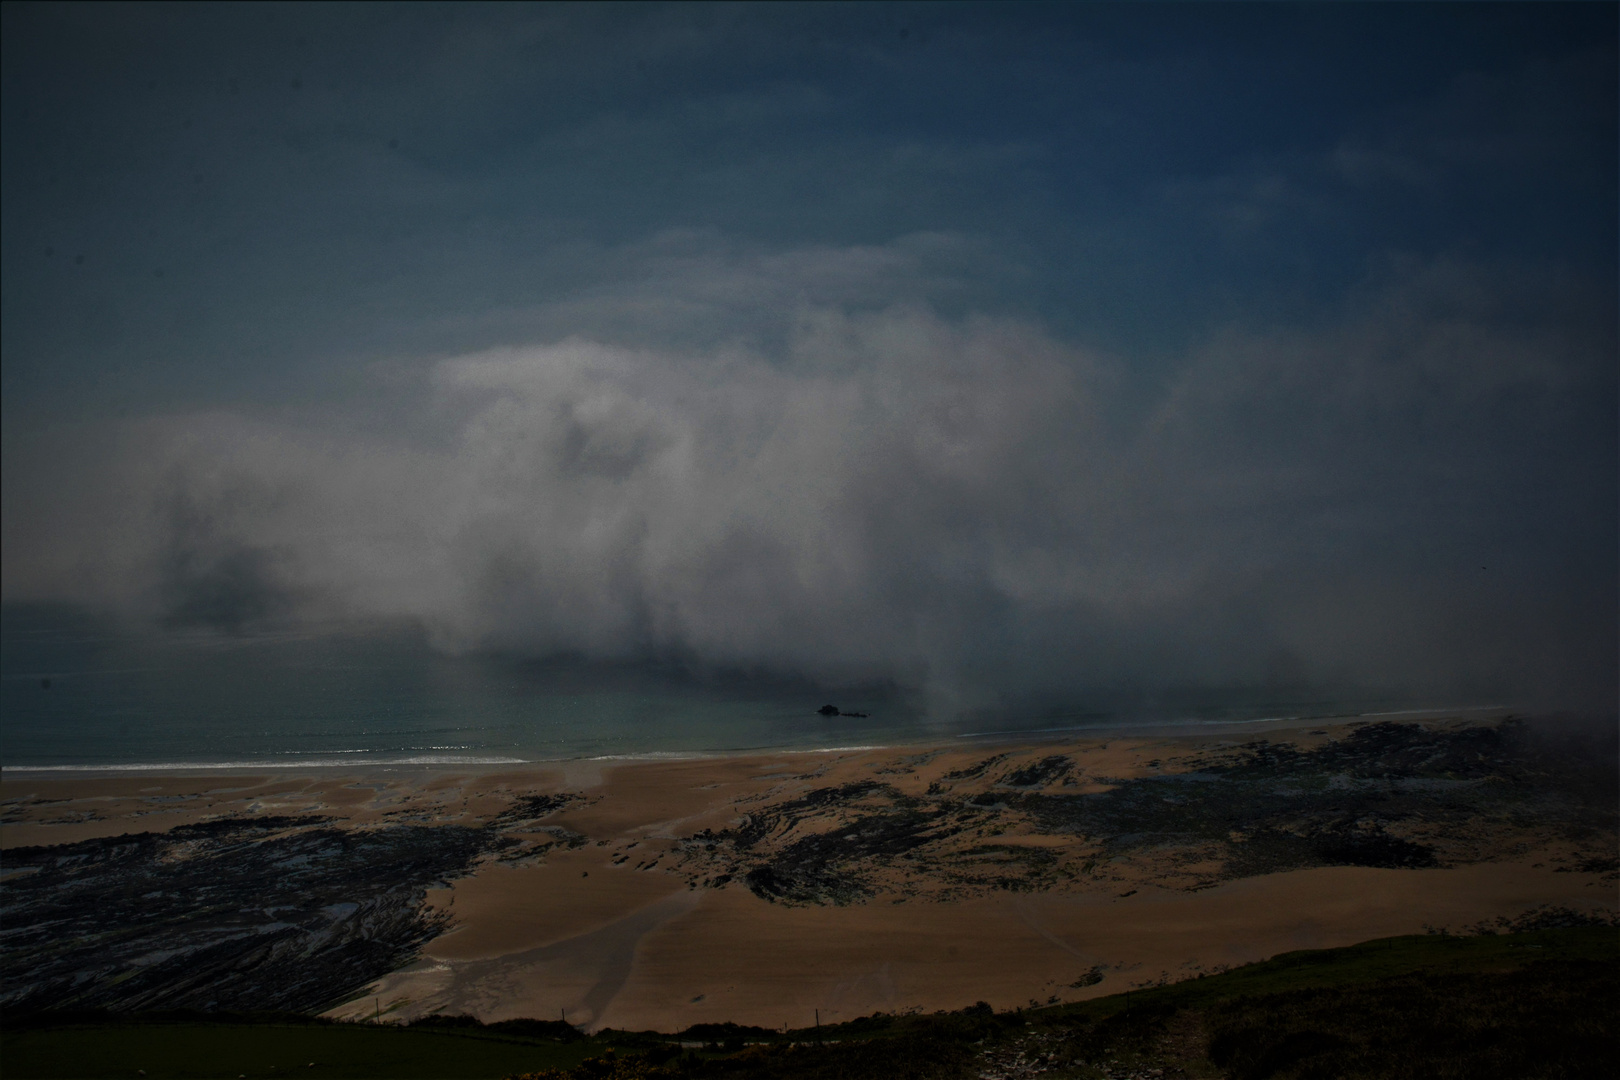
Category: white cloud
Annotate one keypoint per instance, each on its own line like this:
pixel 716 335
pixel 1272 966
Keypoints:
pixel 952 503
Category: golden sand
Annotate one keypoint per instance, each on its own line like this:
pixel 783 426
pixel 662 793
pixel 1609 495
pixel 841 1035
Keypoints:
pixel 617 930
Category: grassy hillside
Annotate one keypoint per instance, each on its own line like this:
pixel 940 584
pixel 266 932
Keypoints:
pixel 1535 1004
pixel 179 1048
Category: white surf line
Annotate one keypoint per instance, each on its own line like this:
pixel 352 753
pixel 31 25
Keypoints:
pixel 835 750
pixel 658 755
pixel 177 766
pixel 717 755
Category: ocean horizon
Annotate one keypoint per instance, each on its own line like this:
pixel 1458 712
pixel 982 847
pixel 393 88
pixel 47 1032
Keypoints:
pixel 87 694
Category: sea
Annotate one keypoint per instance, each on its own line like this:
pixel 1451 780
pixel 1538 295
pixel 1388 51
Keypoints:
pixel 80 693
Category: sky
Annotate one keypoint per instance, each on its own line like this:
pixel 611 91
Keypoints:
pixel 997 351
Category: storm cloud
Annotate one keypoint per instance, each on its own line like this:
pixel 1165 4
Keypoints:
pixel 1199 351
pixel 968 506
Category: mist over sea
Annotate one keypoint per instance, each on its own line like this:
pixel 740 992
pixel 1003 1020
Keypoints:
pixel 513 382
pixel 123 697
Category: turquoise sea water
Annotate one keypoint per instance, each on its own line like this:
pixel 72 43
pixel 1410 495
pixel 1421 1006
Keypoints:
pixel 76 692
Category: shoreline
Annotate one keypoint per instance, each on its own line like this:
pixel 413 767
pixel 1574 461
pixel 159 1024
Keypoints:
pixel 1189 728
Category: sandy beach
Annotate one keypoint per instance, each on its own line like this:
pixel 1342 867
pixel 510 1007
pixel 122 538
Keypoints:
pixel 768 888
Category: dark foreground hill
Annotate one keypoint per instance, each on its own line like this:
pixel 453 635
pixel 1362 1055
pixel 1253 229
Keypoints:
pixel 1541 1003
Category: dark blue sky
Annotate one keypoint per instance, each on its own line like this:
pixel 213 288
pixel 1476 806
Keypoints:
pixel 1323 298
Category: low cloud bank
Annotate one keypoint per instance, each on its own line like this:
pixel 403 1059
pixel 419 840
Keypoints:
pixel 1419 497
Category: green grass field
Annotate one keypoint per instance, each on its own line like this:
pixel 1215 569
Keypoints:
pixel 1540 1003
pixel 1430 954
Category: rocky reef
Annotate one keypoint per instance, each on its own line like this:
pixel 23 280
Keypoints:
pixel 1384 795
pixel 240 913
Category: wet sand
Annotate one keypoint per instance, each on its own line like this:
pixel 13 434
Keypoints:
pixel 613 918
